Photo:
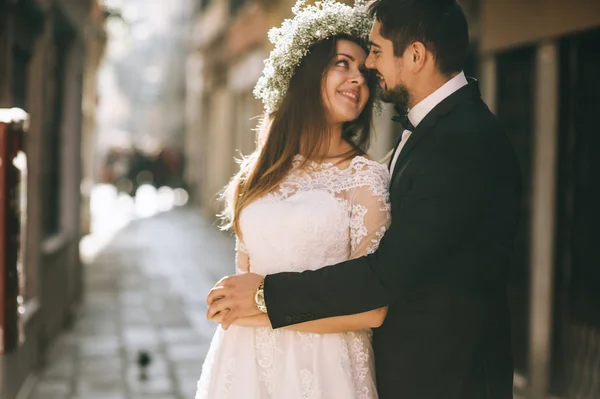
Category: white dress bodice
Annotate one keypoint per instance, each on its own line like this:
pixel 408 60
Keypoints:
pixel 317 217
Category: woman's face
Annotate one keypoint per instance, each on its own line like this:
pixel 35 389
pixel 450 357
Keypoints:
pixel 345 91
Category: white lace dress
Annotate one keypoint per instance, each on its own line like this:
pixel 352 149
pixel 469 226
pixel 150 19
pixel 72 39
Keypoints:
pixel 320 215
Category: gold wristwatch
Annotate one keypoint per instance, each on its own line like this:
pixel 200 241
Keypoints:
pixel 259 297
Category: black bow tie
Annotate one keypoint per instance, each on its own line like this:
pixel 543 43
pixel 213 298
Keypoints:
pixel 403 120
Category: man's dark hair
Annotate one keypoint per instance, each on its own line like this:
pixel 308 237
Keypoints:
pixel 440 25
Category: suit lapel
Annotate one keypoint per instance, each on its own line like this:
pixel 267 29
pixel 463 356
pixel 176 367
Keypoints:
pixel 443 108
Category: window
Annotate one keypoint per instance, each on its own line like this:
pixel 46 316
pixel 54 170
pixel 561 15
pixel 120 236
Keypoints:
pixel 52 170
pixel 577 304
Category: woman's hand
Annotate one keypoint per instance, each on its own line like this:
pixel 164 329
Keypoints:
pixel 261 320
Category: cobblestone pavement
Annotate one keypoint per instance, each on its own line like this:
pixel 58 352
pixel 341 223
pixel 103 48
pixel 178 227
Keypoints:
pixel 145 291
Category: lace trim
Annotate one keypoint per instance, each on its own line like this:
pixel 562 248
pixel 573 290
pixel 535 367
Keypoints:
pixel 360 362
pixel 375 241
pixel 361 172
pixel 358 230
pixel 310 387
pixel 266 342
pixel 223 390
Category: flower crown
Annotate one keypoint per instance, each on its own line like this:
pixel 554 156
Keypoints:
pixel 311 23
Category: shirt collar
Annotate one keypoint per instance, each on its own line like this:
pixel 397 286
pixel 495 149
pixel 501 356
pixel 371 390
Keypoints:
pixel 417 113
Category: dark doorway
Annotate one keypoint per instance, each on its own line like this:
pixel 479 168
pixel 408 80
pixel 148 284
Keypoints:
pixel 515 103
pixel 576 364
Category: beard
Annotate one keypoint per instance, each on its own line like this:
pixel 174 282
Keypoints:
pixel 399 96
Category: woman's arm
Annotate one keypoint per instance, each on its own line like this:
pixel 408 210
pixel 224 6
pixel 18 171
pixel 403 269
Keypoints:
pixel 332 325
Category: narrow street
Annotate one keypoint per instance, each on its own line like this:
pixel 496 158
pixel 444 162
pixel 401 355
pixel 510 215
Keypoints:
pixel 145 291
pixel 116 115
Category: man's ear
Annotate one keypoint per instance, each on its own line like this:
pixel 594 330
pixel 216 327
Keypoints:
pixel 419 55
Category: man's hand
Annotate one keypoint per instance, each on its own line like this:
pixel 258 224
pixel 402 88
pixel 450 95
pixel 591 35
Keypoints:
pixel 234 296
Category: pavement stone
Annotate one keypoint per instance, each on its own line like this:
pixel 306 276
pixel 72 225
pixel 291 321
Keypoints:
pixel 144 291
pixel 52 388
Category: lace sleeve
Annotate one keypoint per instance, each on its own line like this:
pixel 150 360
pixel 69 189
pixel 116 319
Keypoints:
pixel 370 215
pixel 242 260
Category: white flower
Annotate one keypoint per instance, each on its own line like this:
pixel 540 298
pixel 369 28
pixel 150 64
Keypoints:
pixel 311 23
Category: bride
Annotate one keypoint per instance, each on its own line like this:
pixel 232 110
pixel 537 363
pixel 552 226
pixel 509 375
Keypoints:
pixel 308 197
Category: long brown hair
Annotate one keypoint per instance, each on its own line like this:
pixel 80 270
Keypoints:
pixel 298 126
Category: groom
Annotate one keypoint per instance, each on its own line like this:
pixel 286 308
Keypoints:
pixel 442 266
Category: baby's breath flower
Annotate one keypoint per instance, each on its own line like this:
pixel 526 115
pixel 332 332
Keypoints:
pixel 311 23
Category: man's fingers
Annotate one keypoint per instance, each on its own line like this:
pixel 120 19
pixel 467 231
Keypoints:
pixel 217 307
pixel 213 310
pixel 220 290
pixel 219 316
pixel 216 294
pixel 228 319
pixel 222 282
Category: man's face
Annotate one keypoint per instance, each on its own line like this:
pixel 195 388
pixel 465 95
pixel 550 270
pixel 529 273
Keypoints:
pixel 389 68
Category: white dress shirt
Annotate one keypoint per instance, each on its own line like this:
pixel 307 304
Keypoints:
pixel 417 113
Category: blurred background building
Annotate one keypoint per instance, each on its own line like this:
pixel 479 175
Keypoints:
pixel 49 55
pixel 139 95
pixel 539 74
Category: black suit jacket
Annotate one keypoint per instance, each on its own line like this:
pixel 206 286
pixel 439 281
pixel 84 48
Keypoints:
pixel 441 267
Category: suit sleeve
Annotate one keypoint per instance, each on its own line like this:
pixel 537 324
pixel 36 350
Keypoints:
pixel 429 221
